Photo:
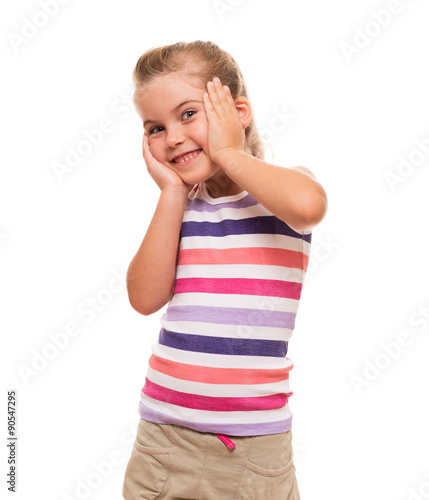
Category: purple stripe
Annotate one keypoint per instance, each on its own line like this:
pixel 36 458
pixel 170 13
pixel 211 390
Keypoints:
pixel 223 345
pixel 251 225
pixel 231 316
pixel 257 429
pixel 198 205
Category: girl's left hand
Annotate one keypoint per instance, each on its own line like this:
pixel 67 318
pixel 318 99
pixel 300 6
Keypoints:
pixel 225 131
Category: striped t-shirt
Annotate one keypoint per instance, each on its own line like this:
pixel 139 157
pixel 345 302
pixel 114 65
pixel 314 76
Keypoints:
pixel 220 362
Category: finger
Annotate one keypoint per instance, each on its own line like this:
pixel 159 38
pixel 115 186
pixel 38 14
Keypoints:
pixel 222 95
pixel 214 97
pixel 208 105
pixel 147 155
pixel 219 88
pixel 144 144
pixel 227 100
pixel 228 95
pixel 146 148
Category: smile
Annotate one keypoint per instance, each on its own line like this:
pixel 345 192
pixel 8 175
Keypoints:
pixel 187 157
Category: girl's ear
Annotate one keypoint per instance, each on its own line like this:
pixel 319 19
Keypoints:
pixel 242 105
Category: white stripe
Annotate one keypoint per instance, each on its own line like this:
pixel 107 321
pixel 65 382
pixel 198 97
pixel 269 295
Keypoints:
pixel 217 417
pixel 247 240
pixel 217 390
pixel 250 271
pixel 227 213
pixel 235 301
pixel 219 360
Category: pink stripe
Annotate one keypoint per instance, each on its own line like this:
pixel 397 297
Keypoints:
pixel 210 375
pixel 239 286
pixel 207 403
pixel 245 255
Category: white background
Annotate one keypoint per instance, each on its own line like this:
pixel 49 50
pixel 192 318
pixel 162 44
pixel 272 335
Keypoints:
pixel 64 239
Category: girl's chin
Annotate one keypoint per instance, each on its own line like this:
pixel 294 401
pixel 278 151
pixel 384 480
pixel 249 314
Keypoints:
pixel 197 176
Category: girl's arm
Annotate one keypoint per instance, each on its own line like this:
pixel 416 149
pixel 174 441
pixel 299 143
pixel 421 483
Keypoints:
pixel 151 273
pixel 292 194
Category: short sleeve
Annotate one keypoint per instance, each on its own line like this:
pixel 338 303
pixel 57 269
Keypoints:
pixel 301 231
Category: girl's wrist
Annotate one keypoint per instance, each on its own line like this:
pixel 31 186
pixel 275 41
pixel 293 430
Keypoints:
pixel 176 190
pixel 230 160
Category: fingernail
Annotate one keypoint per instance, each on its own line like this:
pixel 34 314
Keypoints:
pixel 210 84
pixel 216 79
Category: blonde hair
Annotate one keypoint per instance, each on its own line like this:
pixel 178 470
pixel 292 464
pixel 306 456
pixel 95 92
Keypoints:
pixel 202 60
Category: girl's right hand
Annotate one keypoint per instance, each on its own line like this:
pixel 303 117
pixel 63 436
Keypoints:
pixel 160 173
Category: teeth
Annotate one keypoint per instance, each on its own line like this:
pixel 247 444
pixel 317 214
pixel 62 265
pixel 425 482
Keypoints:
pixel 187 157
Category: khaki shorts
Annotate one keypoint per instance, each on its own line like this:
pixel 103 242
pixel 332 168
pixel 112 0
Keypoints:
pixel 171 463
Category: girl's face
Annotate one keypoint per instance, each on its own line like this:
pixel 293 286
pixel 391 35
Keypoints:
pixel 174 118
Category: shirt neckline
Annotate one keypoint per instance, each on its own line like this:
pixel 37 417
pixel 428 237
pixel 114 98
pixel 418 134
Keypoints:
pixel 221 199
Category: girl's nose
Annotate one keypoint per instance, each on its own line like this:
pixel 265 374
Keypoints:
pixel 174 136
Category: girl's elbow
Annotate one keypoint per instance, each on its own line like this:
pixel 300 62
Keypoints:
pixel 318 210
pixel 141 304
pixel 142 307
pixel 148 304
pixel 314 211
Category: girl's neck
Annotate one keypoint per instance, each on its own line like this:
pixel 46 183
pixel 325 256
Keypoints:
pixel 221 185
pixel 230 192
pixel 225 186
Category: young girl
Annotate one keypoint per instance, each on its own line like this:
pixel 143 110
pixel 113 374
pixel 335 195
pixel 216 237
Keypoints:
pixel 227 249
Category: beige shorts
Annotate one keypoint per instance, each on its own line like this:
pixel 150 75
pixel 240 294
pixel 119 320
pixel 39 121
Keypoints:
pixel 169 463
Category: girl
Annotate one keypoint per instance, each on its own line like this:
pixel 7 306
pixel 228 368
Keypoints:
pixel 227 249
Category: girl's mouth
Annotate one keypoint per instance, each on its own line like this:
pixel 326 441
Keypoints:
pixel 187 157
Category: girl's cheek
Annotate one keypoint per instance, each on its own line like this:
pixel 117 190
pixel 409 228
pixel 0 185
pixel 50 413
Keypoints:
pixel 154 149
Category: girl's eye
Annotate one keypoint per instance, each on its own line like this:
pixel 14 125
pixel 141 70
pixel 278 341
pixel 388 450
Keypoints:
pixel 154 130
pixel 188 114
